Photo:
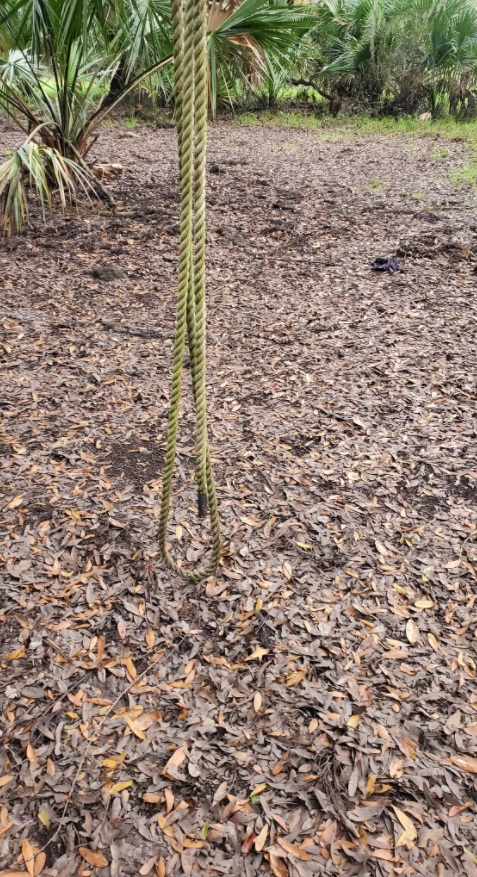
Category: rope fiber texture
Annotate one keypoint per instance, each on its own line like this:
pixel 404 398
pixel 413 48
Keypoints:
pixel 189 22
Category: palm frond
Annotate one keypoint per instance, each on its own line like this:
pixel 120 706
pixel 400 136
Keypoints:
pixel 44 169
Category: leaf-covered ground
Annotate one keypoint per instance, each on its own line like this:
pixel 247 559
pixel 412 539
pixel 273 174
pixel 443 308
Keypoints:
pixel 314 710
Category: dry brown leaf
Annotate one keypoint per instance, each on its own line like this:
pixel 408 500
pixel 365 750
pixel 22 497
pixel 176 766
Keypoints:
pixel 296 677
pixel 261 839
pixel 257 701
pixel 169 796
pixel 15 502
pixel 161 868
pixel 31 755
pixel 248 843
pixel 28 854
pixel 40 862
pixel 287 570
pixel 465 762
pixel 277 865
pixel 293 850
pixel 93 858
pixel 12 873
pixel 412 631
pixel 152 798
pixel 134 728
pixel 175 761
pixel 148 866
pixel 257 654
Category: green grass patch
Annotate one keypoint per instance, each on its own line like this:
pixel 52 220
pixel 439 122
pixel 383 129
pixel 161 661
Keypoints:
pixel 441 153
pixel 348 126
pixel 465 175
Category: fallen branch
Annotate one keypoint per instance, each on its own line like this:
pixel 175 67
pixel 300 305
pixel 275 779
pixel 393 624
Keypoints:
pixel 308 84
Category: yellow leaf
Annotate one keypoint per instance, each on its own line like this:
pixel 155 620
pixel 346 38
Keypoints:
pixel 175 760
pixel 261 839
pixel 412 631
pixel 313 725
pixel 15 502
pixel 92 858
pixel 119 787
pixel 304 545
pixel 409 834
pixel 13 656
pixel 424 603
pixel 353 721
pixel 470 855
pixel 44 818
pixel 150 638
pixel 258 789
pixel 39 864
pixel 6 779
pixel 110 763
pixel 465 763
pixel 28 856
pixel 258 654
pixel 257 701
pixel 433 642
pixel 371 784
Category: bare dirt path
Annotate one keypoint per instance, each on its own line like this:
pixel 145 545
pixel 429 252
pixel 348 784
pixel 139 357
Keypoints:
pixel 315 710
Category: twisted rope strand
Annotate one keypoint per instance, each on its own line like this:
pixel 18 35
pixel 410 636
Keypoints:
pixel 190 66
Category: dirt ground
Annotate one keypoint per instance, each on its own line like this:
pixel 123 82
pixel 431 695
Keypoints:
pixel 314 709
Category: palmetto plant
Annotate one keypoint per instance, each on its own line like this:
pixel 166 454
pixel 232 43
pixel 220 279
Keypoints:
pixel 406 50
pixel 59 59
pixel 66 64
pixel 252 41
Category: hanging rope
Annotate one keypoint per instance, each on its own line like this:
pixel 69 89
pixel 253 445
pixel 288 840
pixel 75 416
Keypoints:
pixel 189 22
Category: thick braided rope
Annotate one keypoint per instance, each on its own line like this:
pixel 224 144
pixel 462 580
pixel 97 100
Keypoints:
pixel 207 494
pixel 190 65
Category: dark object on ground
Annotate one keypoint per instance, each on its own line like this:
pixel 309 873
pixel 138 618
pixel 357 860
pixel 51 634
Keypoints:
pixel 107 273
pixel 391 265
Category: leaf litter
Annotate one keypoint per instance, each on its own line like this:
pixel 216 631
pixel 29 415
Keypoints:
pixel 313 710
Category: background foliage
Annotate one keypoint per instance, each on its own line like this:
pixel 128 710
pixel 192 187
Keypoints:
pixel 67 64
